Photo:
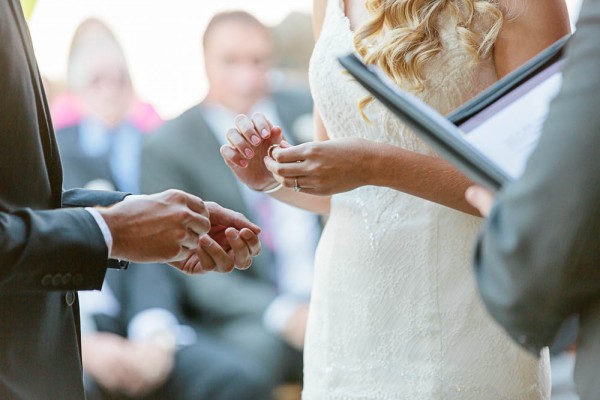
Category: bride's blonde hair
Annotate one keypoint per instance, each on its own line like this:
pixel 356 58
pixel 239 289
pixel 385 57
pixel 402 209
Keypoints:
pixel 402 35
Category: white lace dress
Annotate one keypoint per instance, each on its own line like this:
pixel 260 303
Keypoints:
pixel 395 313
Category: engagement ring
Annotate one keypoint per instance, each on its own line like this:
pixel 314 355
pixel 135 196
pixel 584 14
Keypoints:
pixel 296 187
pixel 270 150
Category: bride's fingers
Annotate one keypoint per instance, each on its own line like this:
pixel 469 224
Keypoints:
pixel 262 125
pixel 304 183
pixel 239 143
pixel 293 153
pixel 285 170
pixel 232 156
pixel 247 129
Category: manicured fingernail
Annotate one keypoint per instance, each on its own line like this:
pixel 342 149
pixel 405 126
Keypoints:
pixel 249 153
pixel 264 133
pixel 243 163
pixel 255 140
pixel 205 242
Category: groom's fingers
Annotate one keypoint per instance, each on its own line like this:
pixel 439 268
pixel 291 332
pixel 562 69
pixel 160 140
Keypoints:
pixel 239 248
pixel 213 255
pixel 251 241
pixel 221 216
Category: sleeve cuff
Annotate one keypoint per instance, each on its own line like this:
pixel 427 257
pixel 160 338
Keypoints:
pixel 103 228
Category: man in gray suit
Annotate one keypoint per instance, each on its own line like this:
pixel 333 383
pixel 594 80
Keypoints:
pixel 267 324
pixel 538 258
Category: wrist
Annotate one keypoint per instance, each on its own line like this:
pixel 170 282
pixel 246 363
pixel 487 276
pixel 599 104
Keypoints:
pixel 372 163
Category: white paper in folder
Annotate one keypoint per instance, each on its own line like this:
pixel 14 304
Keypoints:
pixel 508 131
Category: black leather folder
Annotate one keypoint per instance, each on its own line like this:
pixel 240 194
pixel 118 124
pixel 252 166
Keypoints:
pixel 443 133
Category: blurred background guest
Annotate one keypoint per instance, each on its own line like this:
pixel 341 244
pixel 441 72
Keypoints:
pixel 101 139
pixel 93 42
pixel 129 354
pixel 264 313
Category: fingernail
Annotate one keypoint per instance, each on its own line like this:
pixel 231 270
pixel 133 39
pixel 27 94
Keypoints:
pixel 249 153
pixel 243 163
pixel 264 133
pixel 255 140
pixel 205 242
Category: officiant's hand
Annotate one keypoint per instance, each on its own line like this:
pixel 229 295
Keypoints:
pixel 480 198
pixel 249 142
pixel 323 168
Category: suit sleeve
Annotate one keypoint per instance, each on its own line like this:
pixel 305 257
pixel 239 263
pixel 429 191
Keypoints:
pixel 54 249
pixel 537 258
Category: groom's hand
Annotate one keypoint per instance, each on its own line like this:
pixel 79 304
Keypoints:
pixel 162 227
pixel 182 230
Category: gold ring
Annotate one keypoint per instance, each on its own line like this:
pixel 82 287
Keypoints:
pixel 270 150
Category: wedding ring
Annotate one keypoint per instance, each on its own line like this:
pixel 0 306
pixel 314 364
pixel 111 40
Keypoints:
pixel 296 187
pixel 270 150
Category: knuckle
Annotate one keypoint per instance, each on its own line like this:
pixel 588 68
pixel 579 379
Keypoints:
pixel 279 170
pixel 183 216
pixel 227 267
pixel 176 195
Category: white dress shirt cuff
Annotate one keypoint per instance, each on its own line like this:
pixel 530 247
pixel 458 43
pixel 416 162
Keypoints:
pixel 108 239
pixel 147 324
pixel 279 313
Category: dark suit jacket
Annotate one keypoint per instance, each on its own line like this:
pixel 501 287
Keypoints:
pixel 538 259
pixel 184 154
pixel 44 250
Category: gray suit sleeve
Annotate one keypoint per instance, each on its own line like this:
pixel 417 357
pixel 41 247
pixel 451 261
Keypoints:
pixel 537 258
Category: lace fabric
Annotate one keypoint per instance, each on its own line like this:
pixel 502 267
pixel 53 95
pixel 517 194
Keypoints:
pixel 395 312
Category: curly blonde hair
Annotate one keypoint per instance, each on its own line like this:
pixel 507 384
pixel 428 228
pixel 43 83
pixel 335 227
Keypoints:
pixel 402 36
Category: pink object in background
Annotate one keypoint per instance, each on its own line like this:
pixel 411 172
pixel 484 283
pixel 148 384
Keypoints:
pixel 67 111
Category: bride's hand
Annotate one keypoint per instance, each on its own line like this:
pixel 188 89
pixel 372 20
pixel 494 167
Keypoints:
pixel 249 143
pixel 323 168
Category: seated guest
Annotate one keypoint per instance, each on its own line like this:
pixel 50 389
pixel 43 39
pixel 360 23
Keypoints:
pixel 264 315
pixel 148 354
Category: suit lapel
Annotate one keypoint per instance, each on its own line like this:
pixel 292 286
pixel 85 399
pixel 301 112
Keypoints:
pixel 45 131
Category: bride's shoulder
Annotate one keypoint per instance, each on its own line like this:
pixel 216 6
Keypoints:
pixel 318 16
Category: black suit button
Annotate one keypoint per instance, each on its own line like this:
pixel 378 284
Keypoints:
pixel 66 279
pixel 57 279
pixel 77 279
pixel 70 298
pixel 47 280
